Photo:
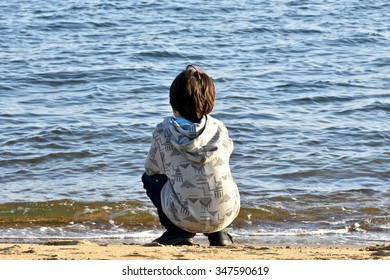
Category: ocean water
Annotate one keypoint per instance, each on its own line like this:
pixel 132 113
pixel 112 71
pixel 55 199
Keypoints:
pixel 302 86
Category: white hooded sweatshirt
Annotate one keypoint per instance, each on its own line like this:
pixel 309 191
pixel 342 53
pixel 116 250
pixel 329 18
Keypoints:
pixel 200 195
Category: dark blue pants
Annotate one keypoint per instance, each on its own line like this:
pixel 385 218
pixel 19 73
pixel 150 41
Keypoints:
pixel 153 186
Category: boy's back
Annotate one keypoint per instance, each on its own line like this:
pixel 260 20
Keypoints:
pixel 200 195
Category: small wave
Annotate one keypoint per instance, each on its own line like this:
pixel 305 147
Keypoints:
pixel 5 88
pixel 321 99
pixel 61 26
pixel 373 106
pixel 36 159
pixel 302 31
pixel 159 54
pixel 131 214
pixel 58 78
pixel 251 30
pixel 301 232
pixel 359 40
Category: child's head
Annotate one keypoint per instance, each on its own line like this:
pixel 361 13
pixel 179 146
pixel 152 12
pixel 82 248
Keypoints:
pixel 192 94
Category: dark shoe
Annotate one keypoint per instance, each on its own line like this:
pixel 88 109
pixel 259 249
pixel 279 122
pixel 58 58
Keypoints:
pixel 175 238
pixel 220 238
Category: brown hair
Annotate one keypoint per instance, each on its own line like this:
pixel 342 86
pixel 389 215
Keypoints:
pixel 192 94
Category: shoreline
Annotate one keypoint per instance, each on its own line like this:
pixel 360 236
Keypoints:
pixel 87 250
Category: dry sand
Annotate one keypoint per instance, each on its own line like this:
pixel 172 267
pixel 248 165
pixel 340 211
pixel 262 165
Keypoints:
pixel 86 250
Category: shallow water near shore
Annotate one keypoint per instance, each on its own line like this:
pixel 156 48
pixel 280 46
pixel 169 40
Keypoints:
pixel 302 87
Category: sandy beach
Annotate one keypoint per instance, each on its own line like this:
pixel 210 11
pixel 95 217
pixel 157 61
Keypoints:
pixel 86 250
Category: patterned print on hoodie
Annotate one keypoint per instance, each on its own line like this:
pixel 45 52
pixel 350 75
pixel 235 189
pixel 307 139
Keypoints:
pixel 200 195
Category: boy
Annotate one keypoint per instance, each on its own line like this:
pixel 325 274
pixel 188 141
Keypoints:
pixel 187 174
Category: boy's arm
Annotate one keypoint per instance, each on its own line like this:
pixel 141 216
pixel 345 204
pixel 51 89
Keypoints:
pixel 154 164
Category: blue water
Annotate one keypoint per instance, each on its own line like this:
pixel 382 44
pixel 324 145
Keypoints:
pixel 302 86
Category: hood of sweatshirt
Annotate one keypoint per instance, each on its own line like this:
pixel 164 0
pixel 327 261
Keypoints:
pixel 200 142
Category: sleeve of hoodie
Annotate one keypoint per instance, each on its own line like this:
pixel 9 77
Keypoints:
pixel 154 164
